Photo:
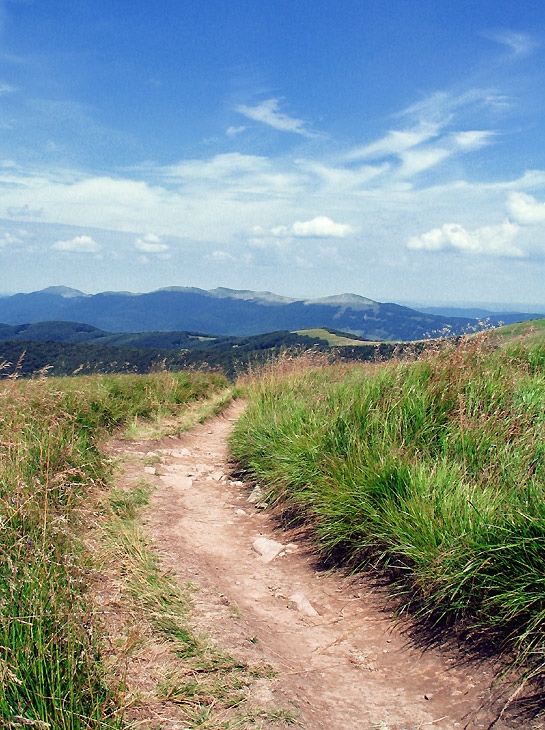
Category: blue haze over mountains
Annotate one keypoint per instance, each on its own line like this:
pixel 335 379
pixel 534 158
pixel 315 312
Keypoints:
pixel 240 313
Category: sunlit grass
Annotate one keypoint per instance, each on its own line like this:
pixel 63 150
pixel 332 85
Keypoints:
pixel 433 468
pixel 50 459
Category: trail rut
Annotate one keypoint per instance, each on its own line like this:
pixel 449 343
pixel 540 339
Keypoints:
pixel 341 661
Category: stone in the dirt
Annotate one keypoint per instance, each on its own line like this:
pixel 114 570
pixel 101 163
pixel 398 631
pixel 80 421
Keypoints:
pixel 152 454
pixel 256 495
pixel 149 469
pixel 176 481
pixel 299 602
pixel 268 549
pixel 184 482
pixel 241 512
pixel 217 475
pixel 179 453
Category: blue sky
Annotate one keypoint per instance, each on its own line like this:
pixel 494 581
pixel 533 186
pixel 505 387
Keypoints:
pixel 393 149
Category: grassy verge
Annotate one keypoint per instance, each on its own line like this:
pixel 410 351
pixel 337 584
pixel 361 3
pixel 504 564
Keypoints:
pixel 50 458
pixel 433 469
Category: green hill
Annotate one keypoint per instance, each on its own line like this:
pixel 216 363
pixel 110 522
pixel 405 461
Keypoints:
pixel 336 338
pixel 532 331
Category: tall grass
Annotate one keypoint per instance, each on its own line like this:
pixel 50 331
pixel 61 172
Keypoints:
pixel 432 468
pixel 50 458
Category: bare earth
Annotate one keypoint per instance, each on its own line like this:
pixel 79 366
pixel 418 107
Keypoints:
pixel 341 661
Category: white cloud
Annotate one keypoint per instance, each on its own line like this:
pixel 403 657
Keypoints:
pixel 220 257
pixel 492 240
pixel 440 107
pixel 79 244
pixel 521 44
pixel 395 142
pixel 428 139
pixel 319 227
pixel 233 131
pixel 220 166
pixel 525 209
pixel 415 161
pixel 268 113
pixel 7 238
pixel 150 243
pixel 342 178
pixel 473 140
pixel 6 89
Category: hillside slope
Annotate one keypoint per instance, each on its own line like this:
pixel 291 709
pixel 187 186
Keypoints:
pixel 225 312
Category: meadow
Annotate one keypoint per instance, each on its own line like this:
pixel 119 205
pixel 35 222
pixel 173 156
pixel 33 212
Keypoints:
pixel 428 471
pixel 52 467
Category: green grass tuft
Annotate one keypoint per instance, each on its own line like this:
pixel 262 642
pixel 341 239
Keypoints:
pixel 50 459
pixel 433 468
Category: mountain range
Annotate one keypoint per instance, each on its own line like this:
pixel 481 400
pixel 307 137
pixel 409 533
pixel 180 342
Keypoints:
pixel 231 312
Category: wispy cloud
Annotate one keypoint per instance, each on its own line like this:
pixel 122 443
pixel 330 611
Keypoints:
pixel 441 107
pixel 520 44
pixel 395 142
pixel 234 131
pixel 268 112
pixel 6 88
pixel 416 161
pixel 473 139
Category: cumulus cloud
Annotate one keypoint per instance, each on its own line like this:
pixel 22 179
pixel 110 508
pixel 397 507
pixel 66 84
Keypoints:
pixel 9 238
pixel 150 243
pixel 525 209
pixel 79 244
pixel 220 257
pixel 492 240
pixel 268 113
pixel 319 227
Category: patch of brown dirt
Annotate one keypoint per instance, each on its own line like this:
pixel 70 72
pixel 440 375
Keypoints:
pixel 340 659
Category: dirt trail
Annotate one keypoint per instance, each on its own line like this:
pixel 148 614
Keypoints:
pixel 341 661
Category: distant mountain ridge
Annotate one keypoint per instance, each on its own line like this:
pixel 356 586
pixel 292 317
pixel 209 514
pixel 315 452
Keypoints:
pixel 225 311
pixel 483 315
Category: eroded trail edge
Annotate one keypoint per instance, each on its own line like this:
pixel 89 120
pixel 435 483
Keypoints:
pixel 340 660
